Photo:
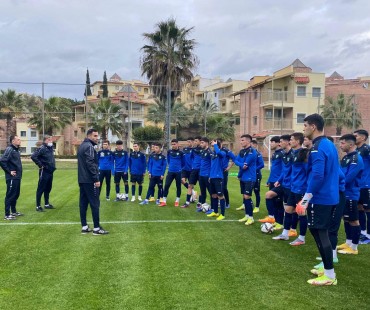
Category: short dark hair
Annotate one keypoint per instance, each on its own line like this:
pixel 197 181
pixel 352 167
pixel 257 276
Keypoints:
pixel 11 138
pixel 348 137
pixel 137 143
pixel 330 138
pixel 275 139
pixel 45 138
pixel 190 138
pixel 204 139
pixel 315 119
pixel 157 144
pixel 298 136
pixel 362 132
pixel 90 131
pixel 119 142
pixel 285 137
pixel 198 137
pixel 254 141
pixel 247 136
pixel 106 141
pixel 175 140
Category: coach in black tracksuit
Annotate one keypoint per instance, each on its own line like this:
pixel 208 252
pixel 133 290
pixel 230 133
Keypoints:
pixel 12 166
pixel 88 180
pixel 44 159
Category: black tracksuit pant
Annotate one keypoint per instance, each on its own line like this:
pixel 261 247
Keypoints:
pixel 89 194
pixel 44 187
pixel 13 189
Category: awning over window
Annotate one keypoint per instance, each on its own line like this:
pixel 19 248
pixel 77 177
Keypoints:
pixel 301 79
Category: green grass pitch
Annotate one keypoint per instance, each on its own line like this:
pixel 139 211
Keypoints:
pixel 159 258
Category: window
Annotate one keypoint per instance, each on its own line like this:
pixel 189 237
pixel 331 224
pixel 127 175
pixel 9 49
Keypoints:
pixel 301 91
pixel 23 134
pixel 300 118
pixel 268 114
pixel 255 120
pixel 215 95
pixel 256 94
pixel 316 92
pixel 146 90
pixel 33 134
pixel 139 88
pixel 22 149
pixel 237 120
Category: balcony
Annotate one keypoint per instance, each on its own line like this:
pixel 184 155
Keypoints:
pixel 278 124
pixel 277 98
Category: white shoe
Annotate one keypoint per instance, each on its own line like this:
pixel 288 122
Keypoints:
pixel 133 198
pixel 139 198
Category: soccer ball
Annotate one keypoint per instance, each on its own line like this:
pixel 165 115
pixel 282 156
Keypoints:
pixel 205 207
pixel 121 196
pixel 267 228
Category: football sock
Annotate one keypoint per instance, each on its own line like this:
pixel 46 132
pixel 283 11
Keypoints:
pixel 226 194
pixel 133 190
pixel 324 246
pixel 285 233
pixel 188 199
pixel 288 221
pixel 85 227
pixel 294 221
pixel 117 189
pixel 270 207
pixel 214 204
pixel 164 199
pixel 248 207
pixel 368 222
pixel 348 230
pixel 356 232
pixel 362 219
pixel 258 198
pixel 186 184
pixel 349 242
pixel 126 189
pixel 335 254
pixel 177 199
pixel 140 190
pixel 301 237
pixel 302 225
pixel 222 205
pixel 330 273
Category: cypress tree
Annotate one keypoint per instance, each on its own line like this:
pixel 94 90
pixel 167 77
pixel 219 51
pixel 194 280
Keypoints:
pixel 87 88
pixel 105 86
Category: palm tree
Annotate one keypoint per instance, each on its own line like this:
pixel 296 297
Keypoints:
pixel 168 61
pixel 57 115
pixel 203 111
pixel 106 116
pixel 341 112
pixel 220 126
pixel 11 105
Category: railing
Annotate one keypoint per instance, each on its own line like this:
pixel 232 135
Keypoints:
pixel 277 96
pixel 276 124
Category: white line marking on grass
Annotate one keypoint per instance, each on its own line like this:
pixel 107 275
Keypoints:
pixel 14 223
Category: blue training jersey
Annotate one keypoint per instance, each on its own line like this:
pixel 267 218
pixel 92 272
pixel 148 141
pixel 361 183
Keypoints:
pixel 226 158
pixel 323 172
pixel 105 158
pixel 364 151
pixel 157 164
pixel 205 163
pixel 137 163
pixel 247 157
pixel 196 158
pixel 176 160
pixel 352 166
pixel 120 161
pixel 276 166
pixel 260 164
pixel 285 176
pixel 217 163
pixel 299 171
pixel 188 158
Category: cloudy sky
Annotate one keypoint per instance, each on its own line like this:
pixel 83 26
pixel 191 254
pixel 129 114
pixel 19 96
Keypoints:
pixel 54 41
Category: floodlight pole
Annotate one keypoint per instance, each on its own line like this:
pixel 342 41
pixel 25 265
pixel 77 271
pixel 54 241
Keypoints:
pixel 43 110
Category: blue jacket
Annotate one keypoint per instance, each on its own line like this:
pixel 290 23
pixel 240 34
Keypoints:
pixel 196 158
pixel 205 164
pixel 276 166
pixel 323 172
pixel 247 157
pixel 217 163
pixel 299 171
pixel 342 181
pixel 352 166
pixel 260 164
pixel 226 158
pixel 105 158
pixel 120 159
pixel 364 151
pixel 157 164
pixel 285 176
pixel 188 158
pixel 137 163
pixel 176 160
